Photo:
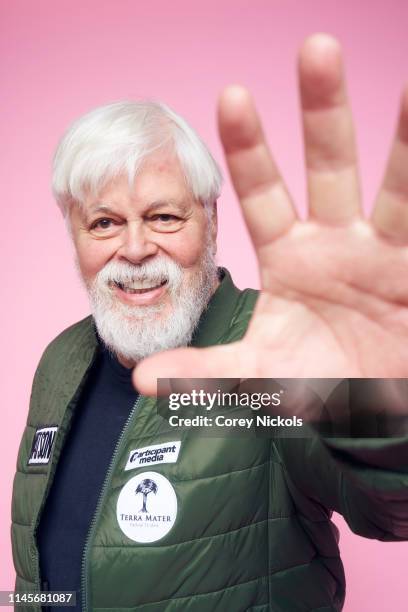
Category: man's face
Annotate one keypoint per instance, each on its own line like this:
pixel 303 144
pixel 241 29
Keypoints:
pixel 143 250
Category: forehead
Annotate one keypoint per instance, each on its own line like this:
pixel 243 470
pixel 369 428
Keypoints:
pixel 159 179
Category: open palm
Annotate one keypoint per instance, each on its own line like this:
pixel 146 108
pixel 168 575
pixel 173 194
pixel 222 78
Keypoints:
pixel 334 299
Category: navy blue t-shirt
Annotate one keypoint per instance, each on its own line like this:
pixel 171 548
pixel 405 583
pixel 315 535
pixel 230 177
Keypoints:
pixel 102 411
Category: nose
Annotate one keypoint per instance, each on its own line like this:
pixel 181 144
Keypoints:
pixel 137 243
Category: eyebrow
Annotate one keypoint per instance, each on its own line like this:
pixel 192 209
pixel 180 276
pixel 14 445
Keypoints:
pixel 101 208
pixel 181 206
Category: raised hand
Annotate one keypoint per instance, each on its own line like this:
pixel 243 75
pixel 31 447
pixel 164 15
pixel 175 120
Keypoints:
pixel 334 299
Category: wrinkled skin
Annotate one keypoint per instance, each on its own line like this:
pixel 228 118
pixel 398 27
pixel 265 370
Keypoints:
pixel 334 300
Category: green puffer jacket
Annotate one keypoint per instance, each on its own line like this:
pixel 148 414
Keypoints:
pixel 251 530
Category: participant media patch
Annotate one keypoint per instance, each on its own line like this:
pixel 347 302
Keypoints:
pixel 42 445
pixel 167 452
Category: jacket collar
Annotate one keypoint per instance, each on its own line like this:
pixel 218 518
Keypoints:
pixel 217 316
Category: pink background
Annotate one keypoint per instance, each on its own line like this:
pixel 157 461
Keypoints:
pixel 59 59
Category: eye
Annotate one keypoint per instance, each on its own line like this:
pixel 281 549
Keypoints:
pixel 102 224
pixel 105 227
pixel 165 222
pixel 165 218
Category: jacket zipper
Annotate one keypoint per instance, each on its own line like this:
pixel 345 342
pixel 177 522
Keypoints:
pixel 89 537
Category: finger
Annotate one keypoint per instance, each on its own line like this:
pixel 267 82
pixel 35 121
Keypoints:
pixel 265 202
pixel 330 150
pixel 390 215
pixel 215 362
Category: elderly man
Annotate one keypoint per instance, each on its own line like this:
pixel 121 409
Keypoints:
pixel 216 523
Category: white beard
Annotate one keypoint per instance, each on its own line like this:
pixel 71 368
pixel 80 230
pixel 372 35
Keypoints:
pixel 134 332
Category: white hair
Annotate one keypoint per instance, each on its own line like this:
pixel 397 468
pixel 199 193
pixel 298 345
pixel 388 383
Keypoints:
pixel 116 139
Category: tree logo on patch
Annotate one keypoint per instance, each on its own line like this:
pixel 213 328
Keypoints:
pixel 145 487
pixel 158 513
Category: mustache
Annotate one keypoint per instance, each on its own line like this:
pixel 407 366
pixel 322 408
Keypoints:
pixel 158 270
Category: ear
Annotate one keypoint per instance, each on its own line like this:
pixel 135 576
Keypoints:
pixel 73 217
pixel 214 221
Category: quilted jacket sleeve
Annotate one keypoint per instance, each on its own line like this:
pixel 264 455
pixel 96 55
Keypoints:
pixel 364 479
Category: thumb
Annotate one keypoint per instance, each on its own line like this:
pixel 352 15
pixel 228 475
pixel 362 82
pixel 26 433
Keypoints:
pixel 214 362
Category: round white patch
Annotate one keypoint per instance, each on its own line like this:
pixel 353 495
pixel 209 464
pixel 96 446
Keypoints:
pixel 147 507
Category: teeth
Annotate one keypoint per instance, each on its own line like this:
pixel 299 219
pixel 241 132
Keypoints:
pixel 139 286
pixel 128 290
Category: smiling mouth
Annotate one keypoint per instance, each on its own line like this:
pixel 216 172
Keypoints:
pixel 138 286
